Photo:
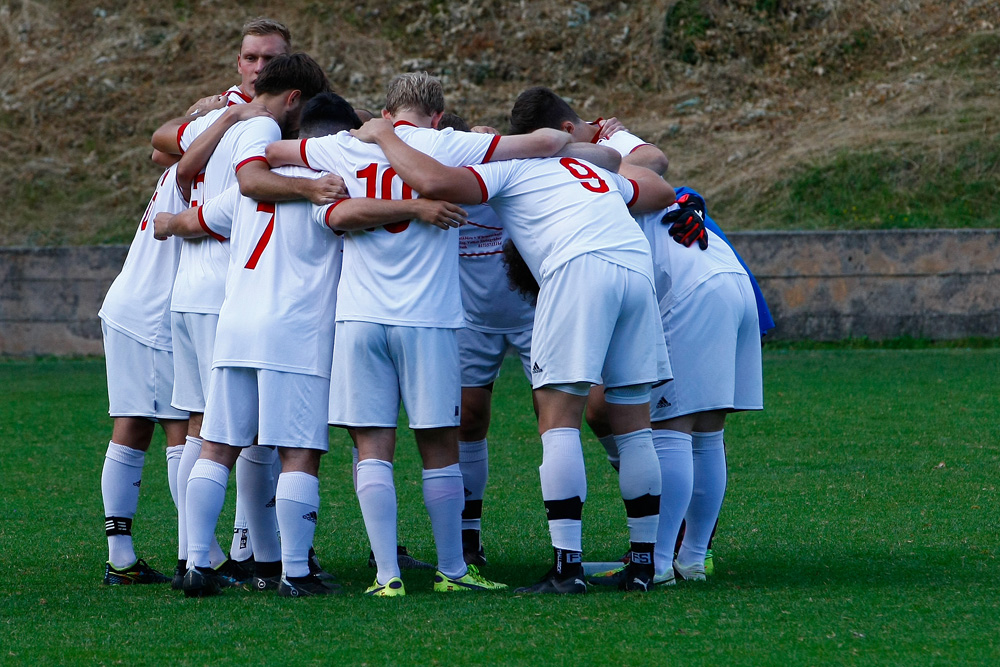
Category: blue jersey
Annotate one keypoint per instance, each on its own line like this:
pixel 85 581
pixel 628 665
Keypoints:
pixel 763 314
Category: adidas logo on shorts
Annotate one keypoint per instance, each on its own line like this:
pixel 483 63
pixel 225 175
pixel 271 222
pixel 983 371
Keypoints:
pixel 536 368
pixel 663 402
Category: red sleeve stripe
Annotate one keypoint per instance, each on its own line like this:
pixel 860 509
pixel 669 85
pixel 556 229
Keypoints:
pixel 492 148
pixel 482 185
pixel 180 131
pixel 597 135
pixel 334 205
pixel 201 221
pixel 251 159
pixel 638 147
pixel 238 93
pixel 635 193
pixel 302 152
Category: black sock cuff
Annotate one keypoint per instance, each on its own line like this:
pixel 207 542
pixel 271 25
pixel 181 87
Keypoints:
pixel 647 505
pixel 568 508
pixel 117 525
pixel 473 509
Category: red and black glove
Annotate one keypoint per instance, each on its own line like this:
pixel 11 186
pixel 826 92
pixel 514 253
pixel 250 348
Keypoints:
pixel 687 223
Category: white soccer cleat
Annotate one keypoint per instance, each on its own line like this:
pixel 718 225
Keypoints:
pixel 694 572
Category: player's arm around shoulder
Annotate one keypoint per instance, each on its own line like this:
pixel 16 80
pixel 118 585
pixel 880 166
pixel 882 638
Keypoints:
pixel 652 192
pixel 650 157
pixel 185 224
pixel 363 213
pixel 257 181
pixel 543 142
pixel 286 152
pixel 602 156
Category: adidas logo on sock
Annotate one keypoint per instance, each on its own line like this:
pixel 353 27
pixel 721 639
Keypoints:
pixel 270 503
pixel 139 483
pixel 663 402
pixel 536 368
pixel 311 516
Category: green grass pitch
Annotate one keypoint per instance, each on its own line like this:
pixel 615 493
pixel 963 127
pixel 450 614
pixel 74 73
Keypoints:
pixel 860 528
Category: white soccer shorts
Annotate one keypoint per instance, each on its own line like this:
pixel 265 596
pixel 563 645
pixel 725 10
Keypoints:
pixel 481 354
pixel 375 366
pixel 590 317
pixel 280 409
pixel 194 343
pixel 140 378
pixel 714 343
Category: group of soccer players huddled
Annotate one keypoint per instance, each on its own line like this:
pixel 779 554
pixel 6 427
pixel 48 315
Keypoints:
pixel 286 278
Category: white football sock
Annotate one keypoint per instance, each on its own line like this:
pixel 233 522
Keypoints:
pixel 377 497
pixel 173 462
pixel 255 489
pixel 443 498
pixel 297 507
pixel 564 486
pixel 120 482
pixel 611 447
pixel 206 493
pixel 640 483
pixel 709 463
pixel 673 449
pixel 354 467
pixel 474 460
pixel 192 450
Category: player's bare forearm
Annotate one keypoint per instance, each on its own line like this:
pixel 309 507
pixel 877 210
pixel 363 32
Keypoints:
pixel 364 213
pixel 602 156
pixel 165 137
pixel 544 142
pixel 258 182
pixel 164 159
pixel 650 157
pixel 201 149
pixel 285 152
pixel 420 171
pixel 654 192
pixel 184 224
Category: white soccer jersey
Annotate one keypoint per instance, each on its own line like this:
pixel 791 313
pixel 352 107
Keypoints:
pixel 186 135
pixel 281 288
pixel 405 273
pixel 201 276
pixel 236 96
pixel 138 302
pixel 491 306
pixel 556 209
pixel 622 141
pixel 679 270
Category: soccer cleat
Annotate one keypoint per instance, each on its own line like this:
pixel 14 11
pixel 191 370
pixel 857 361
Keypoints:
pixel 631 577
pixel 470 581
pixel 317 569
pixel 561 584
pixel 709 564
pixel 694 572
pixel 472 548
pixel 474 557
pixel 234 573
pixel 309 585
pixel 406 561
pixel 266 583
pixel 665 579
pixel 604 575
pixel 201 582
pixel 392 589
pixel 138 572
pixel 178 579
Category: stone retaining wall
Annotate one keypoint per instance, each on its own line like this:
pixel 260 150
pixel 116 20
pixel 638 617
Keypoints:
pixel 939 284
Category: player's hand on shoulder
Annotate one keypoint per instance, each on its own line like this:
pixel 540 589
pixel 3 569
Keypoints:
pixel 206 104
pixel 440 213
pixel 161 226
pixel 240 112
pixel 326 189
pixel 609 127
pixel 687 223
pixel 371 131
pixel 484 129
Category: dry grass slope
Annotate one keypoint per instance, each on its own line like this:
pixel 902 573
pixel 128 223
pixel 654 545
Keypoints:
pixel 741 94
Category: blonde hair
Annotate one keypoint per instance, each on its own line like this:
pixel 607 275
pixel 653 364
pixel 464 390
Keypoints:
pixel 262 26
pixel 417 91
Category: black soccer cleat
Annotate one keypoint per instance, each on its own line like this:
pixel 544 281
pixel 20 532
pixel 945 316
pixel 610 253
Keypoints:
pixel 235 573
pixel 137 573
pixel 562 584
pixel 201 582
pixel 406 561
pixel 307 586
pixel 317 569
pixel 472 548
pixel 178 579
pixel 630 577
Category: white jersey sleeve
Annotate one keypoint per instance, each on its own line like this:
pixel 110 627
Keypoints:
pixel 236 96
pixel 216 215
pixel 623 141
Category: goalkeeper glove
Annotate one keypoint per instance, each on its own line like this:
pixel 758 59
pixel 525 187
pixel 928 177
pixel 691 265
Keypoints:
pixel 687 223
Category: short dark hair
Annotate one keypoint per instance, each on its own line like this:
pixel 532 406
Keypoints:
pixel 327 113
pixel 453 121
pixel 539 107
pixel 295 71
